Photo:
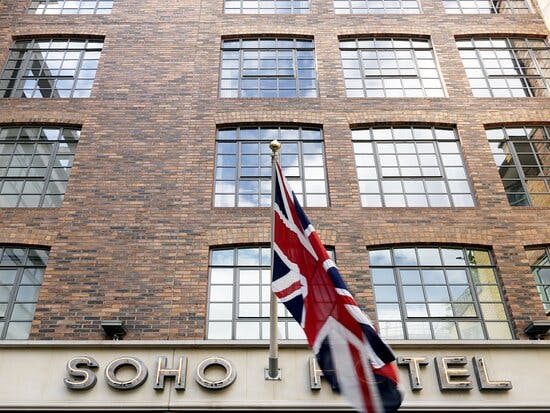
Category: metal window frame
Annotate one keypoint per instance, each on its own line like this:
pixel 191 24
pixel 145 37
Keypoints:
pixel 25 65
pixel 350 9
pixel 272 10
pixel 301 166
pixel 513 50
pixel 296 68
pixel 545 287
pixel 235 301
pixel 477 303
pixel 48 173
pixel 493 7
pixel 47 3
pixel 421 177
pixel 518 165
pixel 6 319
pixel 412 48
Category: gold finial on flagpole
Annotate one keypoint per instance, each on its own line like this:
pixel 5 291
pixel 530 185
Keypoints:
pixel 274 145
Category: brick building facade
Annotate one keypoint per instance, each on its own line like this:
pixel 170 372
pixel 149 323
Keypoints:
pixel 132 237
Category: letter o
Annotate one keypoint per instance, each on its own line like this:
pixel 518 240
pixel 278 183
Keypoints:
pixel 230 373
pixel 136 381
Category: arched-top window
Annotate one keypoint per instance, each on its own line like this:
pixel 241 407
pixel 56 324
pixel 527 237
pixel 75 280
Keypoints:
pixel 21 273
pixel 51 68
pixel 438 293
pixel 243 165
pixel 35 163
pixel 268 68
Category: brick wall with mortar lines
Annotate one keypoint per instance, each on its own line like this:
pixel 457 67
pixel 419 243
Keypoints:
pixel 132 237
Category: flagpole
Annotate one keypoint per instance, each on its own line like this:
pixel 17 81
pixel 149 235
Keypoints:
pixel 273 372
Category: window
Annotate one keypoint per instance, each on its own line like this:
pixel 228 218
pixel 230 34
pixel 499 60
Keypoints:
pixel 21 274
pixel 268 68
pixel 35 164
pixel 437 293
pixel 506 67
pixel 486 6
pixel 539 260
pixel 243 166
pixel 376 6
pixel 410 167
pixel 390 68
pixel 266 6
pixel 70 7
pixel 44 68
pixel 239 295
pixel 522 155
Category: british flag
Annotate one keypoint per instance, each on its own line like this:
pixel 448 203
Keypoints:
pixel 349 351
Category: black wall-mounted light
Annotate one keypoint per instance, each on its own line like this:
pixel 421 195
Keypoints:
pixel 537 329
pixel 113 329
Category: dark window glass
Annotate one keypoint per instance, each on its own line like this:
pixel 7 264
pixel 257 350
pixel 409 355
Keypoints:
pixel 70 7
pixel 243 165
pixel 376 6
pixel 410 167
pixel 35 163
pixel 21 273
pixel 522 155
pixel 266 6
pixel 539 260
pixel 486 6
pixel 50 68
pixel 437 293
pixel 506 67
pixel 268 68
pixel 385 67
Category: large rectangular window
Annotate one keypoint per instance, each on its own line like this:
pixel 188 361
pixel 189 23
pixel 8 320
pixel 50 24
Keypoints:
pixel 266 6
pixel 385 67
pixel 506 67
pixel 376 6
pixel 539 260
pixel 239 294
pixel 410 167
pixel 243 165
pixel 70 7
pixel 21 274
pixel 522 155
pixel 268 68
pixel 437 293
pixel 50 68
pixel 486 6
pixel 35 164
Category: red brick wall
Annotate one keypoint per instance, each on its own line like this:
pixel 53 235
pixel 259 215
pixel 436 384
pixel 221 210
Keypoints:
pixel 131 239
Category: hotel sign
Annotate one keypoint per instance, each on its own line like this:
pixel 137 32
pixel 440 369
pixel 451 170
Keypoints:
pixel 453 373
pixel 201 375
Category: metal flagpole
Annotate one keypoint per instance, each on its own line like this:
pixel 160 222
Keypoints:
pixel 273 372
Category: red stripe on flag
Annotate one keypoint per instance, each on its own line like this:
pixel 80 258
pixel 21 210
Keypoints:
pixel 367 391
pixel 289 290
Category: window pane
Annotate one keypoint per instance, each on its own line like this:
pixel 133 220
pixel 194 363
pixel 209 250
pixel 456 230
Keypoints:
pixel 510 67
pixel 59 77
pixel 266 7
pixel 23 187
pixel 485 6
pixel 519 153
pixel 268 68
pixel 408 168
pixel 433 298
pixel 389 67
pixel 247 151
pixel 239 296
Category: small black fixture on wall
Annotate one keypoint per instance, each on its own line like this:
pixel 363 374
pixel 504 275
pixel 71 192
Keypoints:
pixel 113 329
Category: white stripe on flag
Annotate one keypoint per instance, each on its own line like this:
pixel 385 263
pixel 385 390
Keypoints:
pixel 362 318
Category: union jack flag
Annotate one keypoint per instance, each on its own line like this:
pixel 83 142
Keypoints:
pixel 349 351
